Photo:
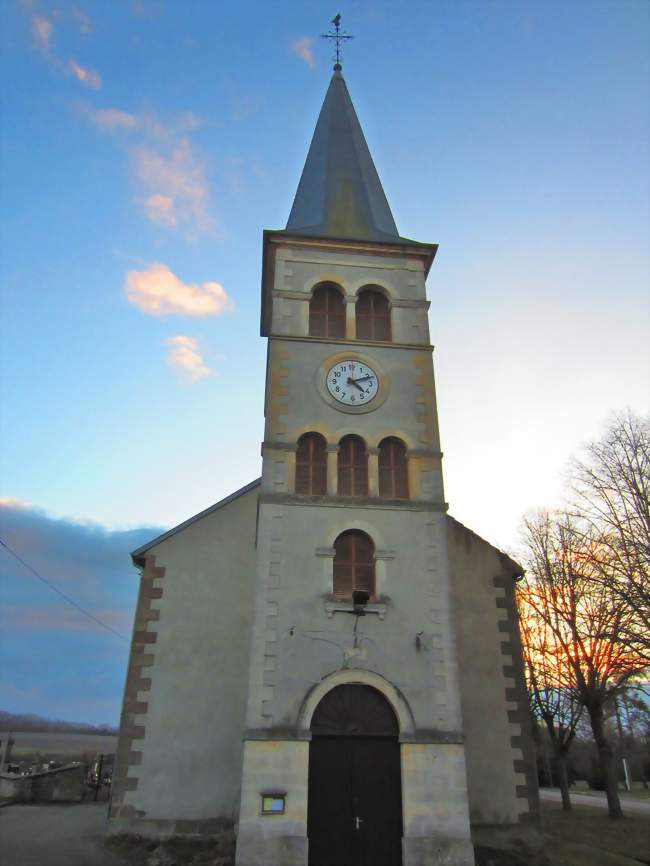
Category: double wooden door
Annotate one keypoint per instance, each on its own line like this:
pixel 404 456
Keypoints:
pixel 355 801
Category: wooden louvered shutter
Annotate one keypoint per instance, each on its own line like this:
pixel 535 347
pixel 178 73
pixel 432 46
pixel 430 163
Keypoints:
pixel 352 467
pixel 327 313
pixel 354 564
pixel 311 465
pixel 393 471
pixel 373 316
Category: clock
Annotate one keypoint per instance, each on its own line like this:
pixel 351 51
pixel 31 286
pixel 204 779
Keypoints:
pixel 352 383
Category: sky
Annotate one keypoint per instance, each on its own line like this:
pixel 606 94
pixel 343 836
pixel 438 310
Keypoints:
pixel 145 146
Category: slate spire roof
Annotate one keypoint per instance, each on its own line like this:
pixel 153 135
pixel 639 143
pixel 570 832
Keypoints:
pixel 340 194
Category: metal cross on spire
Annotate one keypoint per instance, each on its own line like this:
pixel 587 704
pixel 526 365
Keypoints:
pixel 338 36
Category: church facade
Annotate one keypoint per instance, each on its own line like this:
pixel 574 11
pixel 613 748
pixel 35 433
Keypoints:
pixel 326 659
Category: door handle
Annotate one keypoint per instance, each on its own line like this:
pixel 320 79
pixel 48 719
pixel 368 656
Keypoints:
pixel 358 822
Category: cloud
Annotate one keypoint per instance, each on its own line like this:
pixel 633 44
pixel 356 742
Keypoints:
pixel 88 77
pixel 82 20
pixel 12 502
pixel 158 291
pixel 186 357
pixel 160 209
pixel 76 555
pixel 109 119
pixel 302 48
pixel 47 645
pixel 178 174
pixel 169 174
pixel 42 32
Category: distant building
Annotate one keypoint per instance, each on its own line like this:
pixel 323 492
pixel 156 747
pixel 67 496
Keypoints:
pixel 325 657
pixel 7 743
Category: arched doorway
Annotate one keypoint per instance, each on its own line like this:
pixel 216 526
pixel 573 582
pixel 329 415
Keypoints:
pixel 355 794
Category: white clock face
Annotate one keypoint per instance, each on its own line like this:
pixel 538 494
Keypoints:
pixel 352 383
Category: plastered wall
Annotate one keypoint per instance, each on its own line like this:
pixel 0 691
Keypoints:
pixel 500 766
pixel 180 751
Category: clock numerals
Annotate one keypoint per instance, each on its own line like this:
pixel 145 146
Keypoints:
pixel 352 383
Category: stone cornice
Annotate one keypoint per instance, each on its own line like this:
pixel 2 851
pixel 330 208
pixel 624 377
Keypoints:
pixel 353 344
pixel 353 502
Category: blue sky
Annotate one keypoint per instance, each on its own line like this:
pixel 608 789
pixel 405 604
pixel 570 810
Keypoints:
pixel 146 145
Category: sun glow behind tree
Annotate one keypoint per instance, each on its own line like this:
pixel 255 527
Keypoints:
pixel 584 601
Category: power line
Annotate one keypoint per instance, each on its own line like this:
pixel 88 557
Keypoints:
pixel 61 593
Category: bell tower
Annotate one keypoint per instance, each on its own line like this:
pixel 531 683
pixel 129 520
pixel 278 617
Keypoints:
pixel 353 680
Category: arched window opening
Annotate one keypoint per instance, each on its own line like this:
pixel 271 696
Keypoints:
pixel 327 312
pixel 354 564
pixel 311 465
pixel 373 316
pixel 393 471
pixel 352 467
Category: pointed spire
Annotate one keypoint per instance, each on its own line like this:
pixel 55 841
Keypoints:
pixel 340 194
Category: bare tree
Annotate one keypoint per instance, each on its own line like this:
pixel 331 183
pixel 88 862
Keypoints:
pixel 611 492
pixel 585 620
pixel 549 678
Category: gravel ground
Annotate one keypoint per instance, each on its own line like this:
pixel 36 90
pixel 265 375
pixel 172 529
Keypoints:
pixel 55 835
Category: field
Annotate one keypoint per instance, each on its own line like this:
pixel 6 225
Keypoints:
pixel 54 745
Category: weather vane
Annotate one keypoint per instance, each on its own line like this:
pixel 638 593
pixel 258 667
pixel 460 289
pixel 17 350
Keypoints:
pixel 338 36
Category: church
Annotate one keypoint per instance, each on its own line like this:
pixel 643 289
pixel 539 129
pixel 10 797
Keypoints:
pixel 325 659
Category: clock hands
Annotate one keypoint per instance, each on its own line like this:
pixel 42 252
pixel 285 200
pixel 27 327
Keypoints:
pixel 355 383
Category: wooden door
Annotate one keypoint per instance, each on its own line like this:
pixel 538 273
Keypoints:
pixel 355 800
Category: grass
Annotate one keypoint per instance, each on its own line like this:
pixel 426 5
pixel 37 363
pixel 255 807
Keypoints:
pixel 587 837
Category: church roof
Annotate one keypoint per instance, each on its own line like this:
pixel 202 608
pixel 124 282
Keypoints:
pixel 340 194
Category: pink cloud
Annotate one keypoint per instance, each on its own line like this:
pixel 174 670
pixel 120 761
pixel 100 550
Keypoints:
pixel 170 176
pixel 159 208
pixel 302 48
pixel 111 118
pixel 12 502
pixel 159 292
pixel 178 174
pixel 186 357
pixel 42 32
pixel 88 77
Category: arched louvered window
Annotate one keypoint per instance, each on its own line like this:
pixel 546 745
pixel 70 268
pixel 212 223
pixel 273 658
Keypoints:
pixel 393 472
pixel 354 564
pixel 311 464
pixel 327 312
pixel 352 467
pixel 373 315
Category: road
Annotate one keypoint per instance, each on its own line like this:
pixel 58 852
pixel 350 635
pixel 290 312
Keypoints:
pixel 55 835
pixel 598 800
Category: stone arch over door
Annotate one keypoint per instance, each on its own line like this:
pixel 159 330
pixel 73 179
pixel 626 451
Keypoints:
pixel 357 677
pixel 354 815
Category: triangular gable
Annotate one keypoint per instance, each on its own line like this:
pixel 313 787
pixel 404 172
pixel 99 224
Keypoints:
pixel 138 554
